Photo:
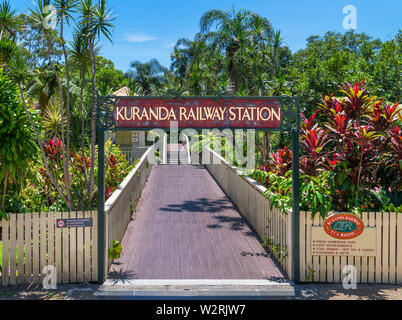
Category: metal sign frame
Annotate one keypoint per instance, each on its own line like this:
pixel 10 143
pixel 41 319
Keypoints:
pixel 290 123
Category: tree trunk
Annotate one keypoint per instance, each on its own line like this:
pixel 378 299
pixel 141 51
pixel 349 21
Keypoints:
pixel 267 140
pixel 84 165
pixel 67 178
pixel 273 71
pixel 3 201
pixel 65 167
pixel 398 79
pixel 231 52
pixel 83 125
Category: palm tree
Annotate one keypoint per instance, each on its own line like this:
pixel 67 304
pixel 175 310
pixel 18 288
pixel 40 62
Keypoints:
pixel 96 21
pixel 65 8
pixel 53 120
pixel 276 43
pixel 43 87
pixel 80 59
pixel 149 74
pixel 8 20
pixel 38 16
pixel 8 48
pixel 204 65
pixel 262 33
pixel 181 59
pixel 232 30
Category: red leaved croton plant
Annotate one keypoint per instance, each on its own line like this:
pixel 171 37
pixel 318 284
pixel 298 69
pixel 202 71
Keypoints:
pixel 353 143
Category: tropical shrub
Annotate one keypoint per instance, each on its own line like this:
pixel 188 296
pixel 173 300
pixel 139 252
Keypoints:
pixel 17 141
pixel 351 156
pixel 117 168
pixel 37 194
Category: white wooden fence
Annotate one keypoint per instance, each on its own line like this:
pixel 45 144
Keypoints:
pixel 271 225
pixel 32 241
pixel 120 207
pixel 384 267
pixel 274 225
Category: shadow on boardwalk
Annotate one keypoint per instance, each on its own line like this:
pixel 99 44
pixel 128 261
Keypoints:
pixel 185 227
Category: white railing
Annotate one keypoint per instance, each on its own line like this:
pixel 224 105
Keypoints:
pixel 132 153
pixel 276 227
pixel 120 207
pixel 187 147
pixel 164 151
pixel 272 225
pixel 31 241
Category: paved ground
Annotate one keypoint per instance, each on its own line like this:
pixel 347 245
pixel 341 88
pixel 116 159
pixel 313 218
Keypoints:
pixel 302 292
pixel 185 227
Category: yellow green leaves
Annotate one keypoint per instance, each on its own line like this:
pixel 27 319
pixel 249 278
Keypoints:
pixel 115 252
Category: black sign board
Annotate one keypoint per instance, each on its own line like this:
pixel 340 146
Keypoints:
pixel 74 223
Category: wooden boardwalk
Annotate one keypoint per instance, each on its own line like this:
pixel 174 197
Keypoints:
pixel 185 227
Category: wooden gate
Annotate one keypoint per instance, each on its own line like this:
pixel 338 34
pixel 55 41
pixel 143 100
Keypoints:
pixel 29 242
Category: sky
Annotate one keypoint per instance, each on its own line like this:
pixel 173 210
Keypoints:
pixel 149 29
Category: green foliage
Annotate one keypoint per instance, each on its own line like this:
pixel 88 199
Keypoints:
pixel 35 193
pixel 351 148
pixel 392 208
pixel 236 52
pixel 148 75
pixel 17 142
pixel 279 190
pixel 115 252
pixel 53 120
pixel 314 192
pixel 335 58
pixel 108 79
pixel 117 168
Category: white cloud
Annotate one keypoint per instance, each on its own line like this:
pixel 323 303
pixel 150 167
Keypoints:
pixel 139 37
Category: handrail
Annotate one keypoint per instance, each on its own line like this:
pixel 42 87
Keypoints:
pixel 164 152
pixel 117 193
pixel 238 171
pixel 248 196
pixel 188 148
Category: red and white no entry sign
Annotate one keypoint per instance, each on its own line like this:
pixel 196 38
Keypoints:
pixel 61 223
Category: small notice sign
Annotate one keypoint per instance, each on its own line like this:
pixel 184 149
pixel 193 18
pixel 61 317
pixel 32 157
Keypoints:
pixel 322 244
pixel 74 223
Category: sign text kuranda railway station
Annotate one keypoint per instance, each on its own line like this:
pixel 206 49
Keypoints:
pixel 198 113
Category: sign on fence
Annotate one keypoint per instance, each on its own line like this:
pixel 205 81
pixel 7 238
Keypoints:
pixel 35 244
pixel 74 223
pixel 325 245
pixel 343 235
pixel 343 226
